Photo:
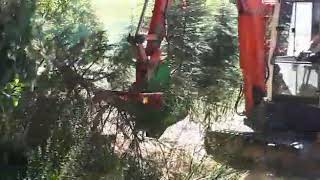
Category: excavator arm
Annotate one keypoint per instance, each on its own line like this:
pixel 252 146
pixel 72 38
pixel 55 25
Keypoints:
pixel 281 75
pixel 146 47
pixel 253 19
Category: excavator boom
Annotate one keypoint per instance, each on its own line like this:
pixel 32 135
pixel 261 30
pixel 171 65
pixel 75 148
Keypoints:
pixel 280 62
pixel 253 19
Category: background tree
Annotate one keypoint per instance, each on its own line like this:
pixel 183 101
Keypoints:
pixel 202 49
pixel 15 29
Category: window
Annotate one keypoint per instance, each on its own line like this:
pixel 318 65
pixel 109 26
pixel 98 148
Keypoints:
pixel 299 23
pixel 296 78
pixel 300 28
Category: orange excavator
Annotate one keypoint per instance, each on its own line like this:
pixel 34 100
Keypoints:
pixel 280 61
pixel 279 43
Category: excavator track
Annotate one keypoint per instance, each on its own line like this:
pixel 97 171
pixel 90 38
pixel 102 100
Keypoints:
pixel 281 153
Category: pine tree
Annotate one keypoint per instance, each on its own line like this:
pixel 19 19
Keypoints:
pixel 219 63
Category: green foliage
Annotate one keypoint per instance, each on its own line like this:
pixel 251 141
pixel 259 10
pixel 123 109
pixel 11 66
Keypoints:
pixel 10 95
pixel 55 57
pixel 123 65
pixel 66 20
pixel 54 129
pixel 185 36
pixel 222 172
pixel 144 170
pixel 93 158
pixel 202 47
pixel 15 27
pixel 52 115
pixel 220 62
